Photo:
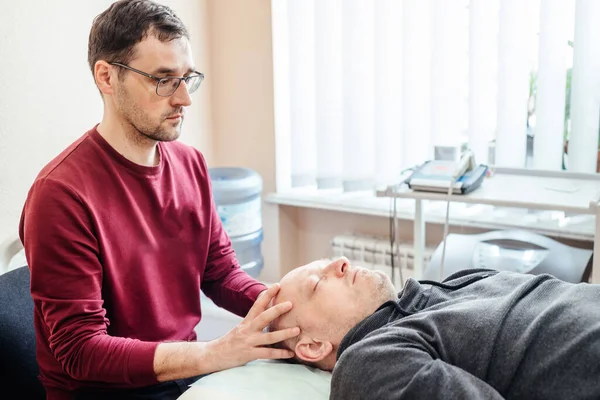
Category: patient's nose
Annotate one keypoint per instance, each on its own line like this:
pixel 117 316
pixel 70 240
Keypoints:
pixel 338 267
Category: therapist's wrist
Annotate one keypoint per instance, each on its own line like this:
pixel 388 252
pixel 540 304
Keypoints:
pixel 180 360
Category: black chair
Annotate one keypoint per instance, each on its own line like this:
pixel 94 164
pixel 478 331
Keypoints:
pixel 18 365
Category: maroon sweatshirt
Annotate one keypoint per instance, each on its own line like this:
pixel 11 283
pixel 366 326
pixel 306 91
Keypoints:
pixel 118 253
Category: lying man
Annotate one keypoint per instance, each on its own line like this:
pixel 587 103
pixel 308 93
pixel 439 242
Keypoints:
pixel 480 334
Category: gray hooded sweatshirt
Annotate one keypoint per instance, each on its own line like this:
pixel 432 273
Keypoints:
pixel 480 334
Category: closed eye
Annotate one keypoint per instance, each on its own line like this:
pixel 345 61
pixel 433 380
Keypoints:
pixel 317 284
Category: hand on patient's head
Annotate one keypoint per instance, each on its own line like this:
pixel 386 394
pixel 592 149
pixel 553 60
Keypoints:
pixel 248 341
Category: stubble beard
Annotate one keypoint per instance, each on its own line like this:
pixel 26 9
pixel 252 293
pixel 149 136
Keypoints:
pixel 384 288
pixel 143 127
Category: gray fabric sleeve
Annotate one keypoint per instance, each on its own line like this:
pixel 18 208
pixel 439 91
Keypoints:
pixel 400 364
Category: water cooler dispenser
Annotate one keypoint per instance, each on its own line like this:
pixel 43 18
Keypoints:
pixel 237 193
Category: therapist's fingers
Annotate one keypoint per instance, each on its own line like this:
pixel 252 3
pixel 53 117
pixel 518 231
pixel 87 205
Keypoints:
pixel 276 336
pixel 273 354
pixel 268 316
pixel 262 302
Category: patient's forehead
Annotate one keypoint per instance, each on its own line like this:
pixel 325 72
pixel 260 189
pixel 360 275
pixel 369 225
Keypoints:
pixel 294 276
pixel 291 283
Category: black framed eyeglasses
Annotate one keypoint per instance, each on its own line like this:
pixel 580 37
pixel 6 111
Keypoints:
pixel 166 86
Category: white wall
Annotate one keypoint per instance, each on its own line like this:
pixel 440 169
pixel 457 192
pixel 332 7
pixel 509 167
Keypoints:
pixel 243 113
pixel 47 95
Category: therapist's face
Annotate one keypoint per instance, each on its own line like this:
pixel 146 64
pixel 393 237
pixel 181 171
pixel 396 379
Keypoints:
pixel 329 298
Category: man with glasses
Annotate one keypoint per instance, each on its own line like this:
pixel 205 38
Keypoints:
pixel 121 233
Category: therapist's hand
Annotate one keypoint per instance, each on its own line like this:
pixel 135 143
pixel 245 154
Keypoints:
pixel 248 341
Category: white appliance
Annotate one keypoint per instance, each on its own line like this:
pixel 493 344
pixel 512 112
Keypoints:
pixel 510 250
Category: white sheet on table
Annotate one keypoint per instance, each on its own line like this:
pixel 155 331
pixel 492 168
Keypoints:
pixel 265 380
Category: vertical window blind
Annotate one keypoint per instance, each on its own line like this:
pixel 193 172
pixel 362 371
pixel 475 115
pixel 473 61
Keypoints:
pixel 365 89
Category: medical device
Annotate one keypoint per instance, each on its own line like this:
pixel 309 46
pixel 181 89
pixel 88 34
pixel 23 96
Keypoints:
pixel 512 250
pixel 441 175
pixel 447 176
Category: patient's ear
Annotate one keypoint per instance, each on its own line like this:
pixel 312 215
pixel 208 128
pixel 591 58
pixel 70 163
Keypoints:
pixel 312 350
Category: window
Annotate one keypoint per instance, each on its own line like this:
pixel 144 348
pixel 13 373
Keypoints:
pixel 366 89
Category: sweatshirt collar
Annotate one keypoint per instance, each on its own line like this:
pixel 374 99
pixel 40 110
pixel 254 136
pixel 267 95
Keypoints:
pixel 411 299
pixel 374 321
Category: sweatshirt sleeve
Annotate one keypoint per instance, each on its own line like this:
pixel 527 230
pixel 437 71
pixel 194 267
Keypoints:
pixel 400 365
pixel 66 285
pixel 224 282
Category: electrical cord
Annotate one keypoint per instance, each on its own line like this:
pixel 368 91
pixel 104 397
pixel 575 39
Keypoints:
pixel 392 234
pixel 396 241
pixel 466 162
pixel 446 227
pixel 393 227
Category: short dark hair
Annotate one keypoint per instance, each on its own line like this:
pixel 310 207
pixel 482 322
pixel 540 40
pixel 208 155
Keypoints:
pixel 117 30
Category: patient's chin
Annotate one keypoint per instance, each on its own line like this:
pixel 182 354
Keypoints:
pixel 385 289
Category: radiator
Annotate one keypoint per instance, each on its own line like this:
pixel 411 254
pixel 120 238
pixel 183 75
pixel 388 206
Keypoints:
pixel 375 253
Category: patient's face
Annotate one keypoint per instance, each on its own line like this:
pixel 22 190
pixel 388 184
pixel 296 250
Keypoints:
pixel 330 297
